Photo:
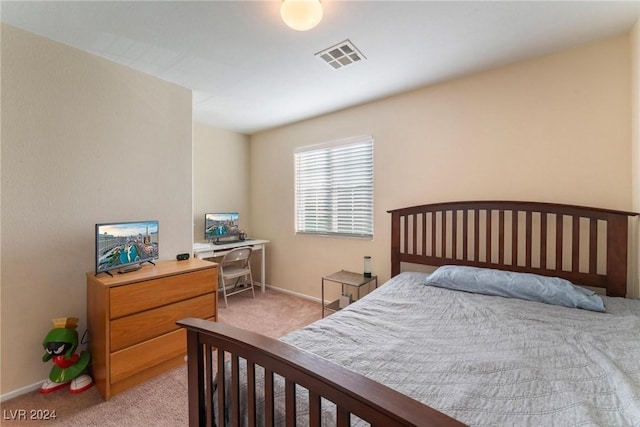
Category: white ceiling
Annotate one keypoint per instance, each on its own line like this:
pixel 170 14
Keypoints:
pixel 249 72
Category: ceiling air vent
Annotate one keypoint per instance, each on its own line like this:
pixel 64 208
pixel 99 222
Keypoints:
pixel 341 55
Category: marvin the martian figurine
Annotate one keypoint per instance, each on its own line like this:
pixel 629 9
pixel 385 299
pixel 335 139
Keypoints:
pixel 68 367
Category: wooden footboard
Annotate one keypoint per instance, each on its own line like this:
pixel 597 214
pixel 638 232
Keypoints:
pixel 350 392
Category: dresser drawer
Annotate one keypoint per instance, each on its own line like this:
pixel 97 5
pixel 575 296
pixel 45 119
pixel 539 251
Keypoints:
pixel 145 295
pixel 130 330
pixel 130 361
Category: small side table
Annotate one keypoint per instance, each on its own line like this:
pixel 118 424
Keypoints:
pixel 345 278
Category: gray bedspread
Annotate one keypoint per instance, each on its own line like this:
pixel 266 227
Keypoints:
pixel 490 361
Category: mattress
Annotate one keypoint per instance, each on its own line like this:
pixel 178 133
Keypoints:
pixel 486 360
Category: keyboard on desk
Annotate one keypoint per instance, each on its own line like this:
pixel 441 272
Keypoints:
pixel 229 242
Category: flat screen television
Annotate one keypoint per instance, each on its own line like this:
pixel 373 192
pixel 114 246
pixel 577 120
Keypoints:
pixel 124 246
pixel 221 226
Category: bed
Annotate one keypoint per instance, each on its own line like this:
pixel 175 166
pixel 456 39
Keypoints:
pixel 413 354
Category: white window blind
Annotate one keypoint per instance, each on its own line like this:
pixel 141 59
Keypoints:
pixel 334 188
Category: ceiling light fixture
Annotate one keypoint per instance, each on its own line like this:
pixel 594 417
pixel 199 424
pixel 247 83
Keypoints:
pixel 301 15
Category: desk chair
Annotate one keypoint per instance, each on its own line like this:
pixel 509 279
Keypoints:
pixel 236 265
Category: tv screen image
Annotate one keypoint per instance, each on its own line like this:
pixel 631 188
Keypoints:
pixel 221 225
pixel 125 244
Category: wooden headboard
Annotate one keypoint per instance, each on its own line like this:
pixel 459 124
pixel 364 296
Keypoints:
pixel 587 246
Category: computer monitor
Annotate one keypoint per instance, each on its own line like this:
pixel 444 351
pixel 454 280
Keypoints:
pixel 221 225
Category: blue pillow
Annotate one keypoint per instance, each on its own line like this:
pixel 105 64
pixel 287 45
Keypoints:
pixel 527 286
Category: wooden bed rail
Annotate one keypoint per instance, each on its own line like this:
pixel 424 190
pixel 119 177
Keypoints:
pixel 587 246
pixel 352 393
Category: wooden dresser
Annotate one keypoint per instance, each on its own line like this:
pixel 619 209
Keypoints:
pixel 131 319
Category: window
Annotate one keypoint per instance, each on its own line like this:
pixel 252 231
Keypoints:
pixel 334 188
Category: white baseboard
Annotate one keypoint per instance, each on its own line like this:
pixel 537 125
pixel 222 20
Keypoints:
pixel 21 391
pixel 286 291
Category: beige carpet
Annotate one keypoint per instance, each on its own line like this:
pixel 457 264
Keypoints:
pixel 161 401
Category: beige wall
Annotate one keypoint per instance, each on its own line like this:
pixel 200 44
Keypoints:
pixel 83 141
pixel 554 129
pixel 220 175
pixel 635 158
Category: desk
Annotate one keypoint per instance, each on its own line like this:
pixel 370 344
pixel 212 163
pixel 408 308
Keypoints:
pixel 209 250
